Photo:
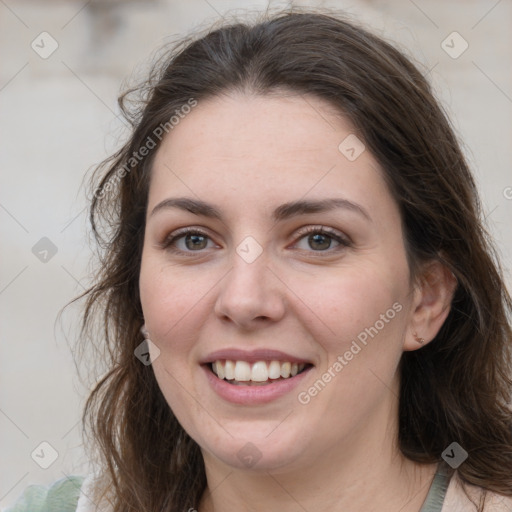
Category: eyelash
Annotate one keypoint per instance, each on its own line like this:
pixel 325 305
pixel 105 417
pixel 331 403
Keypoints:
pixel 173 237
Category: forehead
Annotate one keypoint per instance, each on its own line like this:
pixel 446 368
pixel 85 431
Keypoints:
pixel 245 126
pixel 249 149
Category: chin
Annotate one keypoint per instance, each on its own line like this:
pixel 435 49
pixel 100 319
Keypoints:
pixel 258 453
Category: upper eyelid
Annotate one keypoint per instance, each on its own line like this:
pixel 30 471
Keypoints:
pixel 322 228
pixel 181 232
pixel 335 234
pixel 303 230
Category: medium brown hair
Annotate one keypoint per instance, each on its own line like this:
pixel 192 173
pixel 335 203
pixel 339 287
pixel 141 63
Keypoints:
pixel 456 388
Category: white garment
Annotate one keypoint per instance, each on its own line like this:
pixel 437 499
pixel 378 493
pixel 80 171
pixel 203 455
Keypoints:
pixel 85 501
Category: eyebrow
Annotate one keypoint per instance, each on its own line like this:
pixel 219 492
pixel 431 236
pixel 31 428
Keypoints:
pixel 283 212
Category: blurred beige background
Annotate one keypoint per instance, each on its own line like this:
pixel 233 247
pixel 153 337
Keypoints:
pixel 59 118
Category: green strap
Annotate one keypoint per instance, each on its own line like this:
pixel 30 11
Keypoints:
pixel 62 496
pixel 437 492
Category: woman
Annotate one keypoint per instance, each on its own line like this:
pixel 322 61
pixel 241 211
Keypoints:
pixel 301 307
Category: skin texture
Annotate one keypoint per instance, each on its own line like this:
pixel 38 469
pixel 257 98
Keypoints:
pixel 247 155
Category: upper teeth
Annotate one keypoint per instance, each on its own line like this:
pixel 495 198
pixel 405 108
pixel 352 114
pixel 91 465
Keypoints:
pixel 258 372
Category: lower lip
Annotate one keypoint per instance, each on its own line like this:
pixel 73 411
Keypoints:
pixel 252 395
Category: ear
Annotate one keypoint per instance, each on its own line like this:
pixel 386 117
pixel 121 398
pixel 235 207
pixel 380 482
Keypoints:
pixel 431 304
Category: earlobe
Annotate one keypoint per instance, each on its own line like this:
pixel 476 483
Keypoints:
pixel 418 339
pixel 433 298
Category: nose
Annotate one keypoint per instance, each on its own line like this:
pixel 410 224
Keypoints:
pixel 250 295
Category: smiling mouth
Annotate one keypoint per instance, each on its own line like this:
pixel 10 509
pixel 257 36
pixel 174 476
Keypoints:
pixel 260 373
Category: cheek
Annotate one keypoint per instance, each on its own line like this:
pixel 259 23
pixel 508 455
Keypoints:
pixel 359 321
pixel 169 297
pixel 176 302
pixel 172 304
pixel 363 316
pixel 353 300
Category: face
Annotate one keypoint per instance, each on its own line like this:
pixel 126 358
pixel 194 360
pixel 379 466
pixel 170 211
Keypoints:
pixel 270 250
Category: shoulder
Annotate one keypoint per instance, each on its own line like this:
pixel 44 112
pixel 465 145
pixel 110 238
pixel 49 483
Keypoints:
pixel 62 496
pixel 456 499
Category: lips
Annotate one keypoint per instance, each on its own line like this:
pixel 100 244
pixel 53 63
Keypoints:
pixel 253 377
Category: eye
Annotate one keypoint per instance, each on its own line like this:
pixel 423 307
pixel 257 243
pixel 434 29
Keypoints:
pixel 320 239
pixel 186 240
pixel 317 238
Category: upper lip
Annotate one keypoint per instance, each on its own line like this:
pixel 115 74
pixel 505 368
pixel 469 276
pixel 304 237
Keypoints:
pixel 252 356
